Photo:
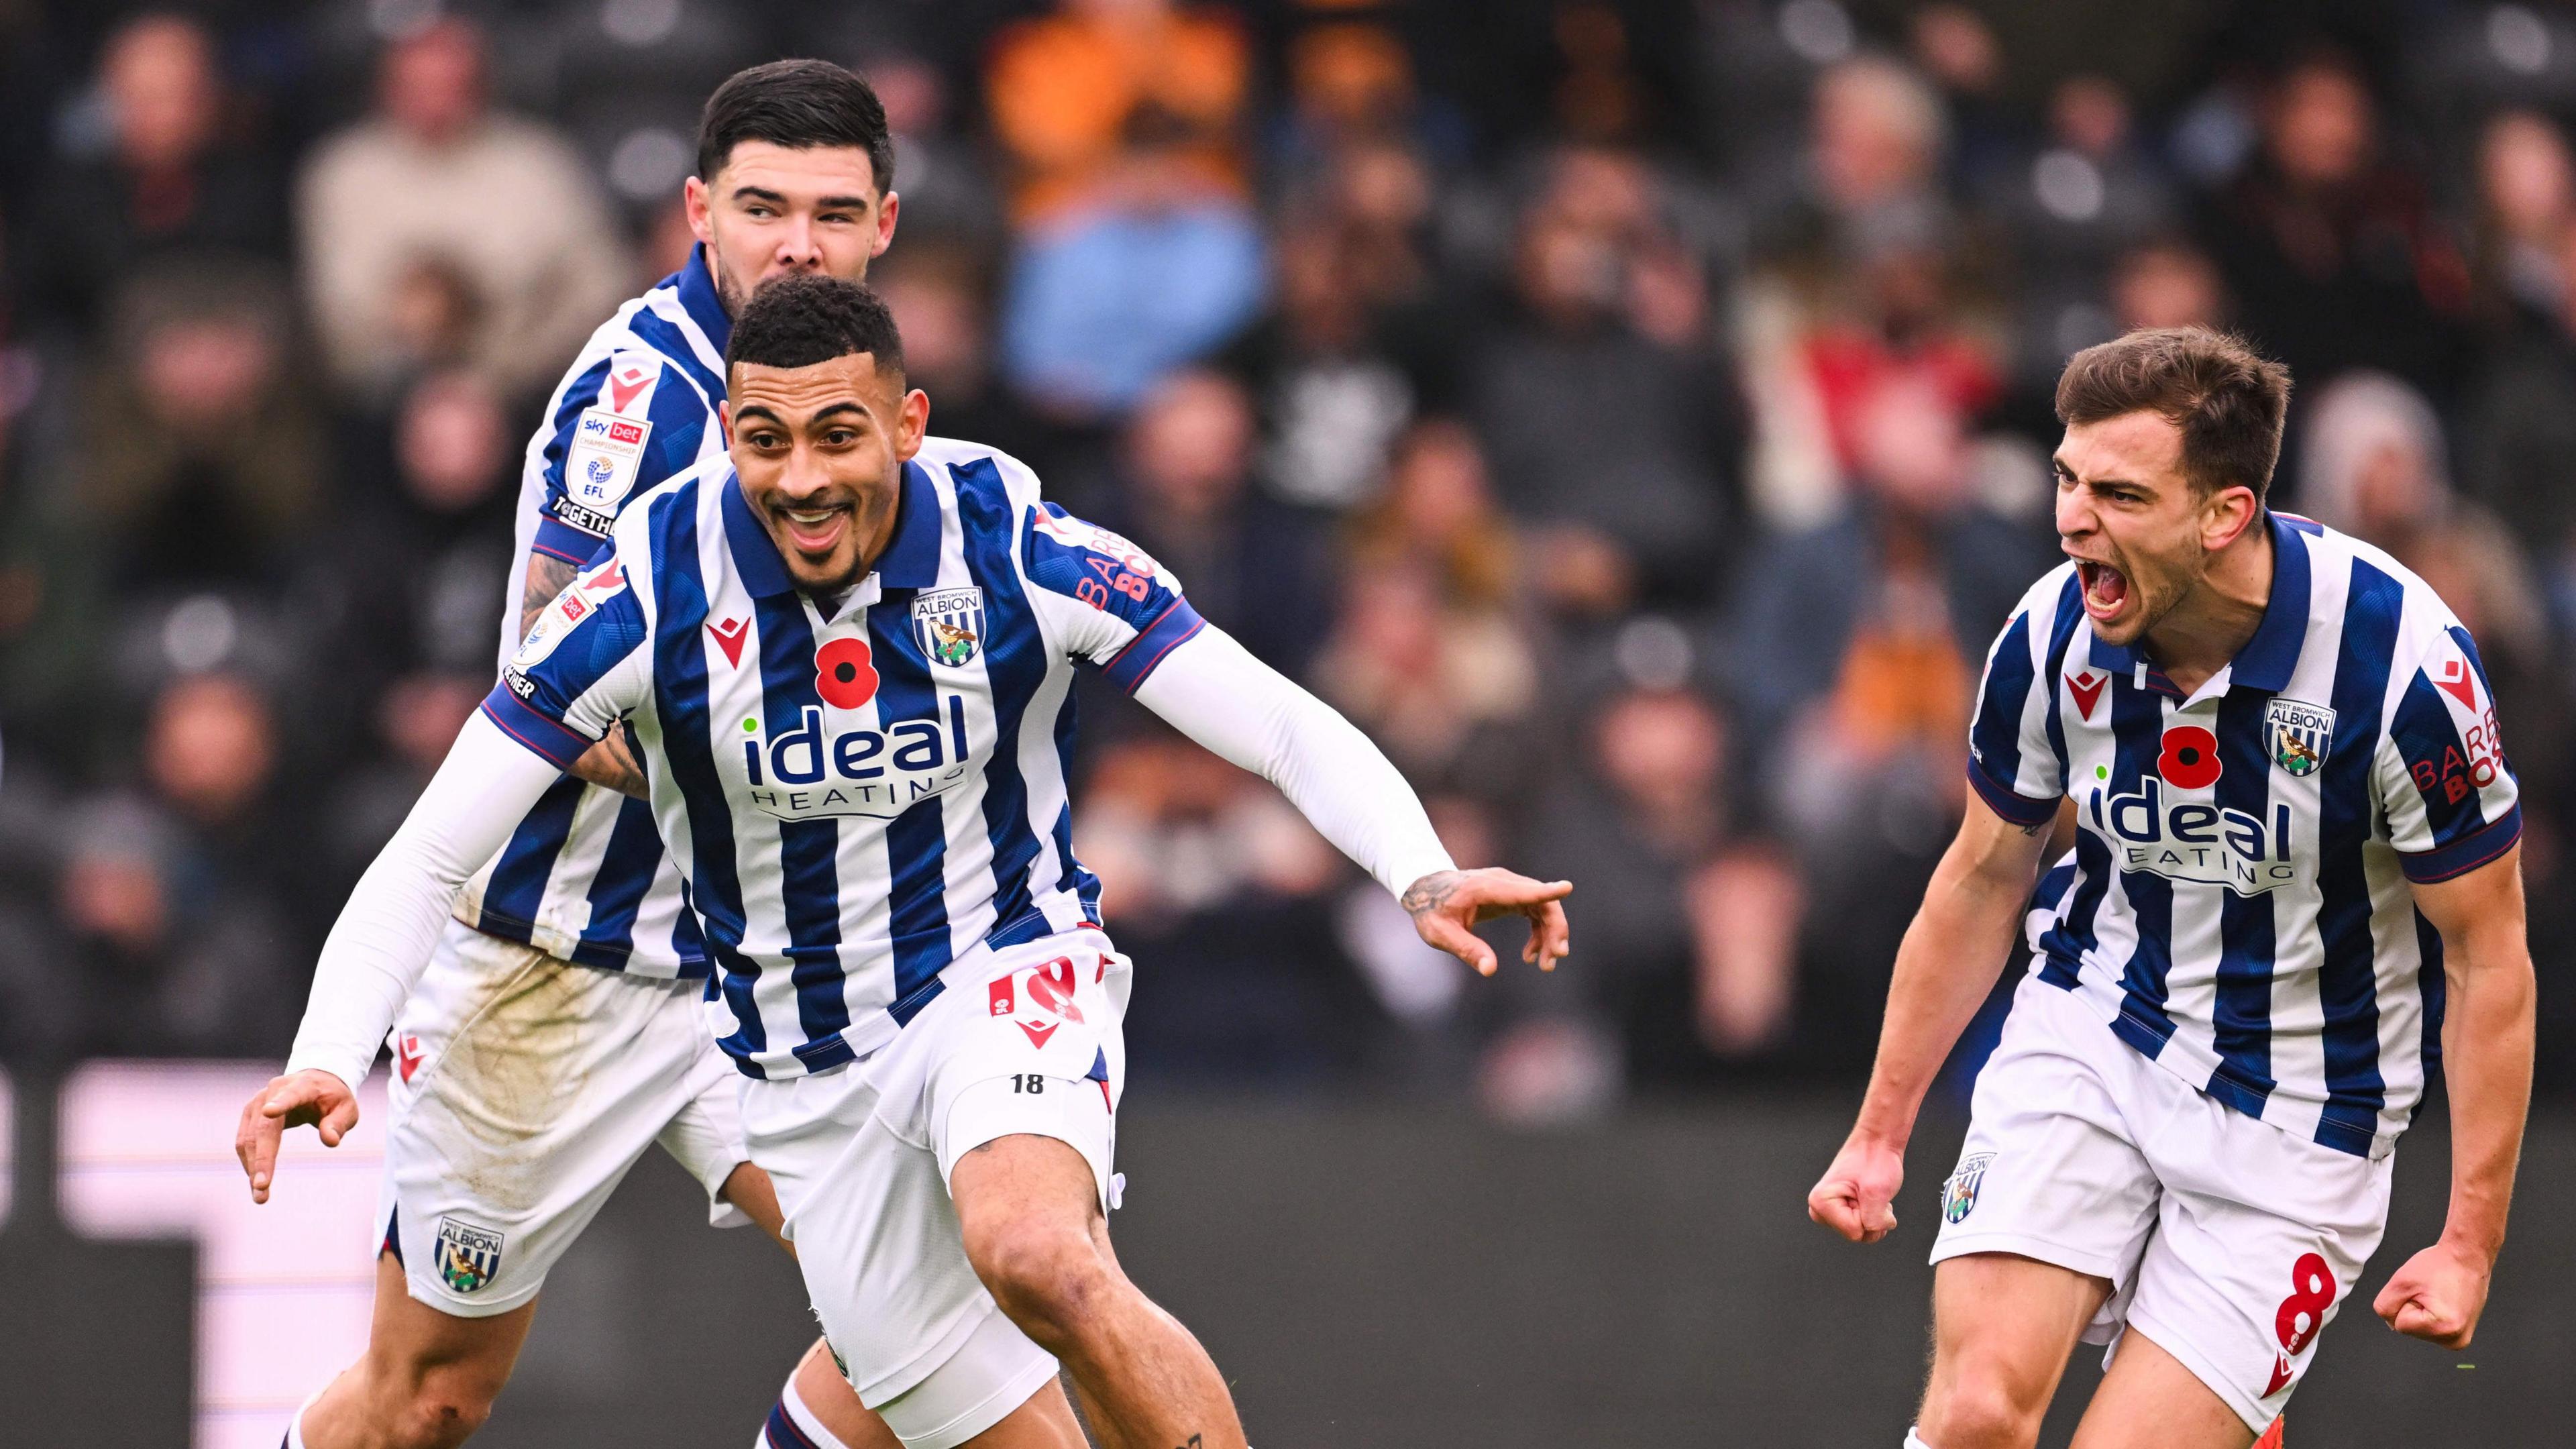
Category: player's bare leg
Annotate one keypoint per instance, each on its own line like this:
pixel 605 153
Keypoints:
pixel 1034 1232
pixel 2002 1327
pixel 427 1379
pixel 2148 1400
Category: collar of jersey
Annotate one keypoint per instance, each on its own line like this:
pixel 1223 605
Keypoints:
pixel 911 561
pixel 697 288
pixel 2266 661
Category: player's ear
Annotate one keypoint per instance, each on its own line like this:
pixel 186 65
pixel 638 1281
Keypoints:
pixel 912 424
pixel 696 202
pixel 885 223
pixel 724 421
pixel 2226 516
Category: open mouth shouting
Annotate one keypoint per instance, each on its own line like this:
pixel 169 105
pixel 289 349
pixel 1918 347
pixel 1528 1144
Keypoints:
pixel 2106 590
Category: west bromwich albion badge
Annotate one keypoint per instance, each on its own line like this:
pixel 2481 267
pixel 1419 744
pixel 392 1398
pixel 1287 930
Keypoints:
pixel 949 625
pixel 467 1256
pixel 2300 734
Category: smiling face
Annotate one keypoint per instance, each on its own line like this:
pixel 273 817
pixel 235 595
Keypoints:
pixel 2140 530
pixel 820 451
pixel 771 210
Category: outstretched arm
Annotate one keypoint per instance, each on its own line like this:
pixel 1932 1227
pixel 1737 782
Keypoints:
pixel 1213 690
pixel 1948 962
pixel 383 939
pixel 2486 1057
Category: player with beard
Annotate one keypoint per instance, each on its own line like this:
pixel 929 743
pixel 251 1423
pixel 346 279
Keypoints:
pixel 2295 887
pixel 557 1033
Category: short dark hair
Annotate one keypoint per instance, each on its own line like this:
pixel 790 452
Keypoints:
pixel 804 318
pixel 2228 399
pixel 796 103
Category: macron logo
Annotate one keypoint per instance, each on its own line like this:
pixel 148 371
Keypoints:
pixel 623 386
pixel 2087 689
pixel 2460 683
pixel 729 636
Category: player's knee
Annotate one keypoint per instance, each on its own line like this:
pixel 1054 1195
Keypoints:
pixel 437 1415
pixel 1047 1276
pixel 1981 1410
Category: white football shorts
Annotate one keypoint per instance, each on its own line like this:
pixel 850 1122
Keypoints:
pixel 1023 1040
pixel 2226 1240
pixel 523 1089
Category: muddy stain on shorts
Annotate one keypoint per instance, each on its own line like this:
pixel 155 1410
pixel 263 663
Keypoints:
pixel 512 1070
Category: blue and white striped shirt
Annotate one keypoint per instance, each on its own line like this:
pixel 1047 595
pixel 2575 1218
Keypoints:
pixel 857 797
pixel 584 877
pixel 2237 907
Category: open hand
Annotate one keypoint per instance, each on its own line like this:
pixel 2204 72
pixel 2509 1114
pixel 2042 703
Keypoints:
pixel 310 1098
pixel 2437 1296
pixel 1446 905
pixel 1856 1196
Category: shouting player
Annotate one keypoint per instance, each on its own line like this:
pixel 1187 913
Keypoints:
pixel 846 660
pixel 557 1033
pixel 2295 887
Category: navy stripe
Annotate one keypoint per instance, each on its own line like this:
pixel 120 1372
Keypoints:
pixel 558 743
pixel 517 890
pixel 2247 928
pixel 558 539
pixel 1016 666
pixel 1074 878
pixel 2138 725
pixel 808 850
pixel 2437 762
pixel 1994 739
pixel 680 697
pixel 1171 629
pixel 669 341
pixel 2021 810
pixel 590 648
pixel 916 841
pixel 626 871
pixel 2461 856
pixel 2061 634
pixel 2348 981
pixel 783 1432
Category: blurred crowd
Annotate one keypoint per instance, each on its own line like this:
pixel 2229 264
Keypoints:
pixel 1634 415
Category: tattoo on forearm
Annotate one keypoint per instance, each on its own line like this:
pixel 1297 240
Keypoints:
pixel 1193 1444
pixel 1431 892
pixel 616 763
pixel 547 577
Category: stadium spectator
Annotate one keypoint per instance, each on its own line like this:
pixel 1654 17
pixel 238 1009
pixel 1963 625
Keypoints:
pixel 437 182
pixel 172 178
pixel 178 902
pixel 2329 243
pixel 1611 425
pixel 1252 567
pixel 203 456
pixel 1137 248
pixel 2526 202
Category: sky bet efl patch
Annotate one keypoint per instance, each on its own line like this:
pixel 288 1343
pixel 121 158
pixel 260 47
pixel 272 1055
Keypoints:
pixel 607 450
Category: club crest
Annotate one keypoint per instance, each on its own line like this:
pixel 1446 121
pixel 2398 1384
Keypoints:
pixel 949 625
pixel 1959 1194
pixel 2300 735
pixel 467 1256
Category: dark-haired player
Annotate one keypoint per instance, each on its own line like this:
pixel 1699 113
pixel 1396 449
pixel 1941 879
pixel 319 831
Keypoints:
pixel 557 1034
pixel 846 659
pixel 2296 884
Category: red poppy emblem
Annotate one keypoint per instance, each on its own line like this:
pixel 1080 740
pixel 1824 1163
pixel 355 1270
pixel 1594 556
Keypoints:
pixel 2190 760
pixel 843 674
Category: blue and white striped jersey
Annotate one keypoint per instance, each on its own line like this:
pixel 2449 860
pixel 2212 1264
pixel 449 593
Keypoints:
pixel 584 877
pixel 857 794
pixel 2237 906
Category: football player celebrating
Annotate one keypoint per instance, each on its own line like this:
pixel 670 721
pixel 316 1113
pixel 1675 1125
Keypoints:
pixel 2295 886
pixel 846 660
pixel 556 1034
